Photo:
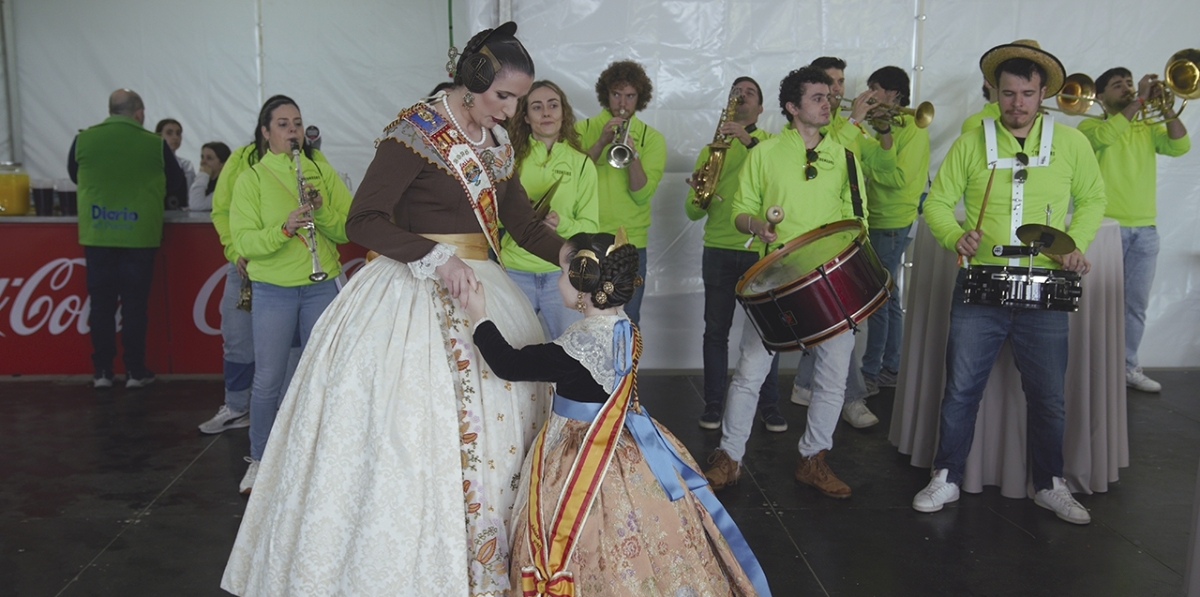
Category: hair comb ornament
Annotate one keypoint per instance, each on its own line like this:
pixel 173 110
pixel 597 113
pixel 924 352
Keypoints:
pixel 622 239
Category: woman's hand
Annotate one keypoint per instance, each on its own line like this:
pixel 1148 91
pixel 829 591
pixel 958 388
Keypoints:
pixel 313 196
pixel 297 219
pixel 241 267
pixel 474 302
pixel 551 220
pixel 458 278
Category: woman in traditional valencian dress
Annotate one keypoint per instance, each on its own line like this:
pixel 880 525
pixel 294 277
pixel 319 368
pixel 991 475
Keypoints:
pixel 611 503
pixel 395 459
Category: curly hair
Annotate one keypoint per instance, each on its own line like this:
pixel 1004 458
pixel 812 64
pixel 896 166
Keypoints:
pixel 595 270
pixel 791 88
pixel 519 130
pixel 624 72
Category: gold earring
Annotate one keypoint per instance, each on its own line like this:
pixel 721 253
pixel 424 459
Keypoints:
pixel 579 306
pixel 469 99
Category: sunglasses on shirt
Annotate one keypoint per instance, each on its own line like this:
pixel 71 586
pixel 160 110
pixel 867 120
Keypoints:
pixel 810 170
pixel 1021 175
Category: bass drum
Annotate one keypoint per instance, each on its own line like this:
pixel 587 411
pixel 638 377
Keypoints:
pixel 815 287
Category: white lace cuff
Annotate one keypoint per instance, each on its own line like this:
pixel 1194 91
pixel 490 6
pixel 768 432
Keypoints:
pixel 425 268
pixel 475 325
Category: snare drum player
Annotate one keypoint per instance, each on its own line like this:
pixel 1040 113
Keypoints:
pixel 807 174
pixel 1038 164
pixel 625 187
pixel 1126 150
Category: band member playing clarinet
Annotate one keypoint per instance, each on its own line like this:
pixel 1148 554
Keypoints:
pixel 630 158
pixel 726 257
pixel 1126 149
pixel 1031 163
pixel 808 174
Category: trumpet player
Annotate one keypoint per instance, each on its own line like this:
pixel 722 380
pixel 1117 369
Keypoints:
pixel 877 155
pixel 893 198
pixel 726 257
pixel 630 165
pixel 1126 149
pixel 274 203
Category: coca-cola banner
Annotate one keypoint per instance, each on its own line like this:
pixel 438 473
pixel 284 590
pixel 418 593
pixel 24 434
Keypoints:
pixel 44 303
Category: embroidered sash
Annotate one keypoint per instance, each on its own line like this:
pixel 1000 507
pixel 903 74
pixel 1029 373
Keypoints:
pixel 471 172
pixel 551 545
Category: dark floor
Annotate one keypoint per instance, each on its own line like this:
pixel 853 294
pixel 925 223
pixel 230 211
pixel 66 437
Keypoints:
pixel 117 494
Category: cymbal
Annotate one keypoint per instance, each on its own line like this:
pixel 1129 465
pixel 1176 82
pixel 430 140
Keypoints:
pixel 541 207
pixel 1052 240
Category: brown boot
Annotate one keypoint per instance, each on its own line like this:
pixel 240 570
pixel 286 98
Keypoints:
pixel 723 471
pixel 813 471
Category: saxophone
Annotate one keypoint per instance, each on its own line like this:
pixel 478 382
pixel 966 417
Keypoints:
pixel 706 178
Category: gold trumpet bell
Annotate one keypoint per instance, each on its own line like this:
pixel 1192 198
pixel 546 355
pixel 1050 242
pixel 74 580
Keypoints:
pixel 923 116
pixel 1077 95
pixel 1183 73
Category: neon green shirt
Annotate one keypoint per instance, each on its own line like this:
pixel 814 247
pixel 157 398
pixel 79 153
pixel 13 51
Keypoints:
pixel 223 194
pixel 1126 151
pixel 866 148
pixel 718 229
pixel 774 175
pixel 262 199
pixel 895 194
pixel 618 205
pixel 575 200
pixel 974 121
pixel 1072 172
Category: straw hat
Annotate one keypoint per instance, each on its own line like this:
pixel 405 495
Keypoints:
pixel 1024 48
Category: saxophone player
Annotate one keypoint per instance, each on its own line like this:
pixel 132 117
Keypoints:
pixel 726 257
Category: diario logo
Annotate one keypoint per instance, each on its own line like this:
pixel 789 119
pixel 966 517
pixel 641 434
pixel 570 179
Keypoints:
pixel 102 213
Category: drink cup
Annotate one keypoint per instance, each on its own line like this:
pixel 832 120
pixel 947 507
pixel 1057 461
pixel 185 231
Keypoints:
pixel 43 197
pixel 67 198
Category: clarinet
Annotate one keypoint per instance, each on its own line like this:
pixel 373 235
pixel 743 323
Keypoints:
pixel 310 229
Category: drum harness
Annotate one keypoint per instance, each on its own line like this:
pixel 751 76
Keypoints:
pixel 1018 185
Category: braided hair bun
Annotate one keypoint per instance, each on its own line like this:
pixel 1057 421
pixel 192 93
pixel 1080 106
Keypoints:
pixel 608 273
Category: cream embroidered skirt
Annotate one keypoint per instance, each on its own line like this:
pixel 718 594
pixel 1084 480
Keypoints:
pixel 395 459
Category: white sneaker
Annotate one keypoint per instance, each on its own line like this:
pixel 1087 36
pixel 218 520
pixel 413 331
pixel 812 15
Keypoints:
pixel 102 382
pixel 248 481
pixel 858 415
pixel 1137 380
pixel 1060 500
pixel 225 420
pixel 938 493
pixel 801 396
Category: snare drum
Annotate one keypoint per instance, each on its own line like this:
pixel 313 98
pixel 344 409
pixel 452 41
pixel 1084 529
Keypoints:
pixel 817 286
pixel 1022 287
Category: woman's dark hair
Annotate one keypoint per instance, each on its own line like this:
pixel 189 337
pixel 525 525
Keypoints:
pixel 519 130
pixel 264 120
pixel 503 45
pixel 892 78
pixel 222 152
pixel 162 124
pixel 791 88
pixel 625 72
pixel 594 269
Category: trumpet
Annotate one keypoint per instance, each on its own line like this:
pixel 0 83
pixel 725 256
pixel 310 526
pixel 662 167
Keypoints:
pixel 620 153
pixel 1181 78
pixel 1076 97
pixel 310 229
pixel 710 172
pixel 883 112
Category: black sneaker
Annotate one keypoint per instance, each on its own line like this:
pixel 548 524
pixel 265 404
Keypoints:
pixel 711 419
pixel 772 419
pixel 134 381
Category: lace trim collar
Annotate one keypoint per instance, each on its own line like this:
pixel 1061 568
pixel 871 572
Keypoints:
pixel 590 341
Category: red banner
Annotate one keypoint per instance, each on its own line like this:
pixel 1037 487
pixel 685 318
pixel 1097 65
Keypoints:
pixel 44 303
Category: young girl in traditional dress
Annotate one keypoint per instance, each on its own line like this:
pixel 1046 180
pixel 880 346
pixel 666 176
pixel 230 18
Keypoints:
pixel 610 502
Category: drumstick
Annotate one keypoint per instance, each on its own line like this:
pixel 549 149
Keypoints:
pixel 774 216
pixel 987 192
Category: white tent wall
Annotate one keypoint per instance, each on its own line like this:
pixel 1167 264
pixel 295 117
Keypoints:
pixel 351 66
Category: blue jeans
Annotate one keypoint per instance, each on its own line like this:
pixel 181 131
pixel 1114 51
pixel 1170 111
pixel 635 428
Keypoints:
pixel 278 313
pixel 887 324
pixel 237 336
pixel 1139 247
pixel 118 274
pixel 1038 339
pixel 634 307
pixel 721 269
pixel 542 291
